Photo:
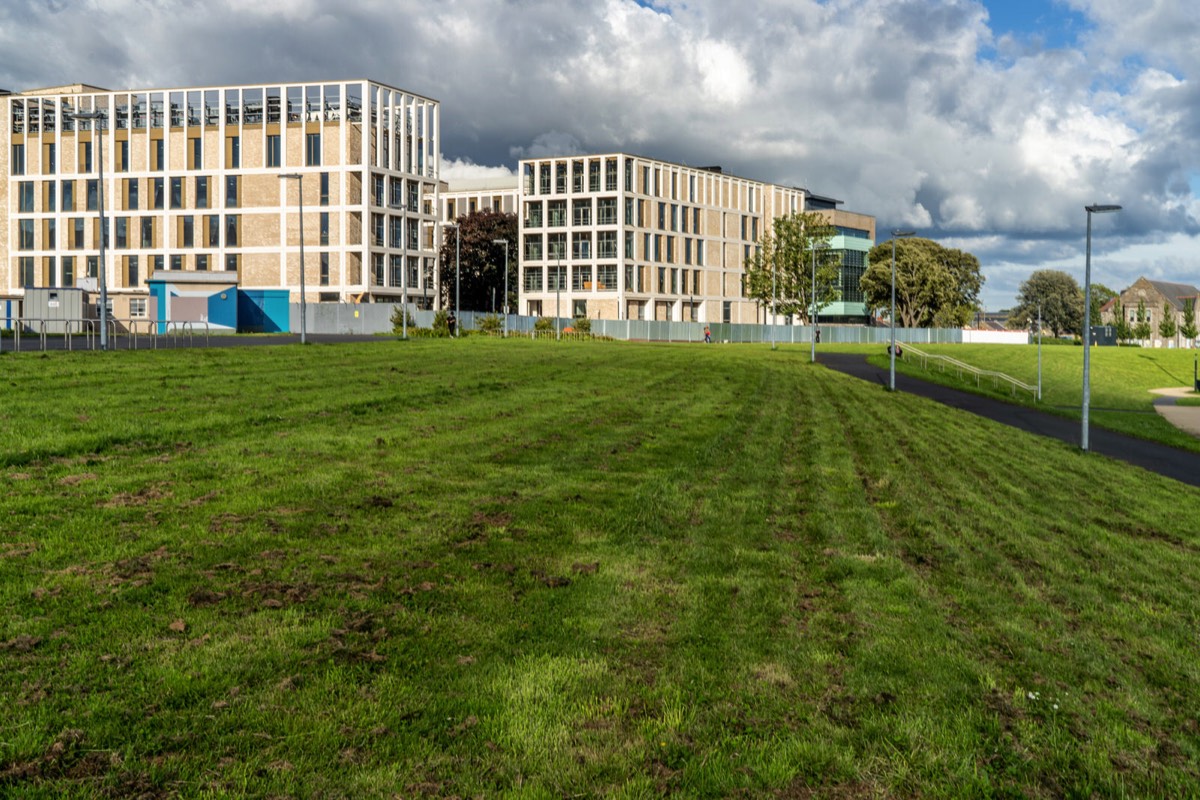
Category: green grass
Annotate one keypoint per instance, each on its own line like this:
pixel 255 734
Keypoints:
pixel 489 568
pixel 1121 380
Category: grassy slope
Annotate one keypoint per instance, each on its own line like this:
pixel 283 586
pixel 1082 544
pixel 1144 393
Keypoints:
pixel 493 568
pixel 1121 379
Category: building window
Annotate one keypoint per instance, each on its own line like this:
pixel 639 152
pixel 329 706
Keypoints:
pixel 556 279
pixel 606 277
pixel 50 203
pixel 533 247
pixel 324 196
pixel 188 237
pixel 581 278
pixel 233 152
pixel 25 197
pixel 123 155
pixel 533 214
pixel 557 246
pixel 49 167
pixel 132 266
pixel 231 191
pixel 581 246
pixel 544 179
pixel 156 190
pixel 395 193
pixel 579 309
pixel 560 178
pixel 324 227
pixel 176 262
pixel 214 230
pixel 233 229
pixel 324 275
pixel 86 156
pixel 77 235
pixel 558 213
pixel 273 152
pixel 395 269
pixel 577 177
pixel 202 262
pixel 195 156
pixel 606 211
pixel 606 244
pixel 25 234
pixel 202 191
pixel 68 195
pixel 377 189
pixel 122 233
pixel 137 306
pixel 176 192
pixel 594 176
pixel 312 149
pixel 157 262
pixel 147 232
pixel 25 265
pixel 157 160
pixel 662 280
pixel 581 211
pixel 68 271
pixel 377 229
pixel 17 165
pixel 231 262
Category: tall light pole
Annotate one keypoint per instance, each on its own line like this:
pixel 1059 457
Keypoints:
pixel 892 372
pixel 1039 351
pixel 774 302
pixel 1087 317
pixel 98 117
pixel 505 243
pixel 816 308
pixel 299 179
pixel 457 273
pixel 558 282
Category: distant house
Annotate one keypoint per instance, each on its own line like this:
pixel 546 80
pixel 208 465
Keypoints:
pixel 1155 295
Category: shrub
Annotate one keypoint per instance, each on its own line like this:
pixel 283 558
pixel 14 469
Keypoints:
pixel 543 324
pixel 441 328
pixel 492 323
pixel 398 318
pixel 582 325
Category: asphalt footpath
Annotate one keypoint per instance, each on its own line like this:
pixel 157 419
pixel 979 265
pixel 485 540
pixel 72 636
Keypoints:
pixel 1169 461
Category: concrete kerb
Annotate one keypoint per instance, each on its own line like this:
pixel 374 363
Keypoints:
pixel 1186 418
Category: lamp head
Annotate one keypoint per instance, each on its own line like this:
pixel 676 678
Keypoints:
pixel 1101 209
pixel 500 241
pixel 902 234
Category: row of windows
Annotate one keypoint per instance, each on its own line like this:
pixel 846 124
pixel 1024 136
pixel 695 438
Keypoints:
pixel 400 193
pixel 395 232
pixel 61 271
pixel 251 106
pixel 124 233
pixel 390 271
pixel 656 247
pixel 273 156
pixel 552 279
pixel 584 176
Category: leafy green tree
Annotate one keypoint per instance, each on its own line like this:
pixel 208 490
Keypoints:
pixel 785 253
pixel 1167 327
pixel 1060 297
pixel 481 263
pixel 1123 330
pixel 935 285
pixel 1141 330
pixel 1188 329
pixel 1101 294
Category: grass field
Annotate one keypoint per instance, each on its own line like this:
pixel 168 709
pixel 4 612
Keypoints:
pixel 488 568
pixel 1121 379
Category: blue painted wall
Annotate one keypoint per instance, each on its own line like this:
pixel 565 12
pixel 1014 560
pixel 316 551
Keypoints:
pixel 263 311
pixel 223 308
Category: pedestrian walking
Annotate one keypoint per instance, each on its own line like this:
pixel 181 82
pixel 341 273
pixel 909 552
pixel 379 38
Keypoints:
pixel 707 335
pixel 451 322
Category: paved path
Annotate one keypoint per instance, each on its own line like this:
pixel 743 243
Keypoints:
pixel 1186 418
pixel 1169 461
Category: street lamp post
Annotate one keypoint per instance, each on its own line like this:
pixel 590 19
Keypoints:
pixel 505 243
pixel 558 282
pixel 1039 351
pixel 892 350
pixel 299 179
pixel 1087 317
pixel 816 308
pixel 774 303
pixel 98 117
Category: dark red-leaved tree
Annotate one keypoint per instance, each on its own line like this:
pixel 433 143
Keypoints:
pixel 481 263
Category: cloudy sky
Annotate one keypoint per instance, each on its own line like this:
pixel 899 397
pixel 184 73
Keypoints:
pixel 985 124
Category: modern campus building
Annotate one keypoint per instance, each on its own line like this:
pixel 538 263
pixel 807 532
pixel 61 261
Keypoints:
pixel 193 183
pixel 619 236
pixel 464 197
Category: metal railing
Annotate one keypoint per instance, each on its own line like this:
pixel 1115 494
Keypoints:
pixel 135 332
pixel 962 367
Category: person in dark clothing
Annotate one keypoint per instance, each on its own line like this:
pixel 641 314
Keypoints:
pixel 451 322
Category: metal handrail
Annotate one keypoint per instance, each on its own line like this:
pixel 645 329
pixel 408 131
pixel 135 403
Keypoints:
pixel 962 367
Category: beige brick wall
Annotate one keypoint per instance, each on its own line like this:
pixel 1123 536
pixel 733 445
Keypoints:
pixel 261 229
pixel 260 270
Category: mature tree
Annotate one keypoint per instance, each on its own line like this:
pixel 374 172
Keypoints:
pixel 1101 294
pixel 481 263
pixel 1060 297
pixel 1188 329
pixel 1167 327
pixel 785 253
pixel 1141 331
pixel 1123 330
pixel 935 285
